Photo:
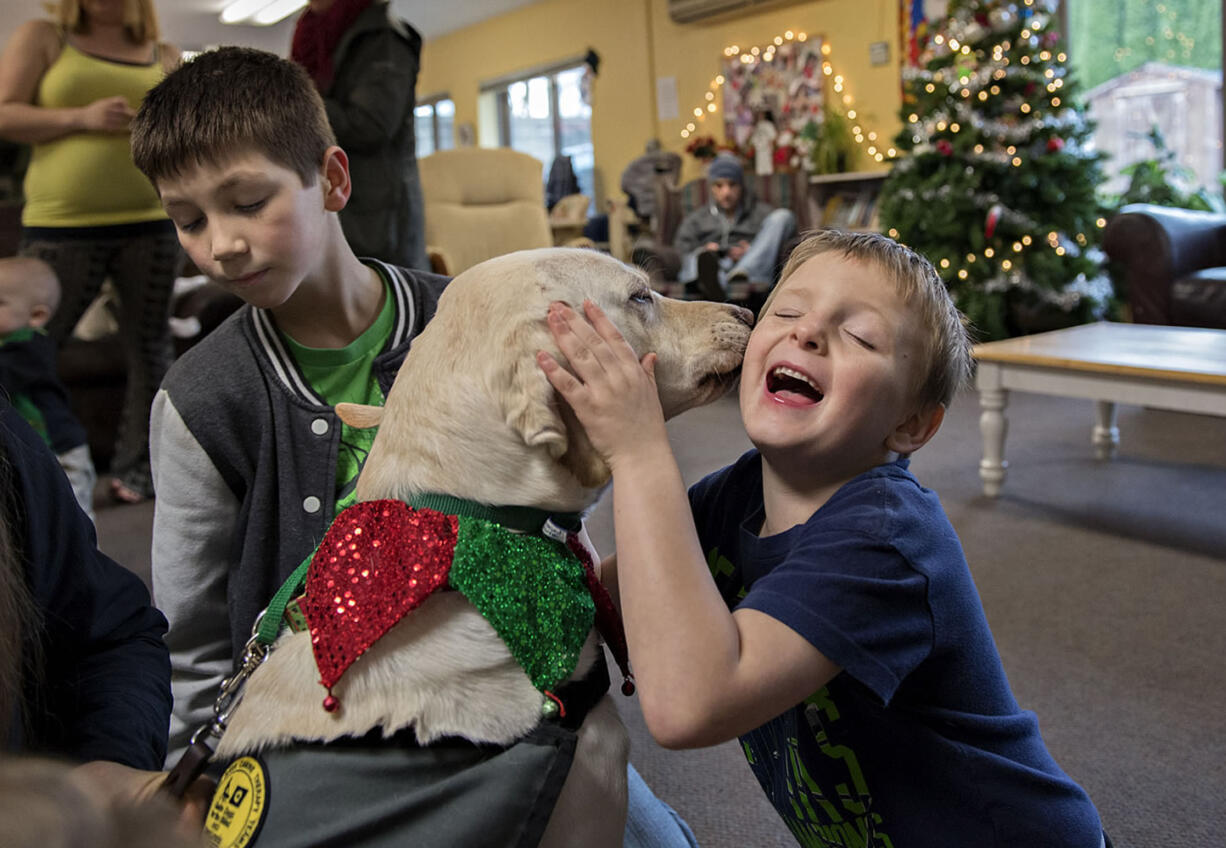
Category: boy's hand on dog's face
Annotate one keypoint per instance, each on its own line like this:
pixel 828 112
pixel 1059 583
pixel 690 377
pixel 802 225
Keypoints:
pixel 612 391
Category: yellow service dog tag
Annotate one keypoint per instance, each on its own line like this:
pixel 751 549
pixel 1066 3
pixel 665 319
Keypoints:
pixel 238 805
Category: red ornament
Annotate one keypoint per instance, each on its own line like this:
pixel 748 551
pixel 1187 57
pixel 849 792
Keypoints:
pixel 1055 144
pixel 944 147
pixel 377 562
pixel 989 225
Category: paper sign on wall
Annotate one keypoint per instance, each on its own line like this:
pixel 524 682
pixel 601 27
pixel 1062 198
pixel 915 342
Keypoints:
pixel 666 98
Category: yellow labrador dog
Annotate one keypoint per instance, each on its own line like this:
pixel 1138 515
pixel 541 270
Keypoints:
pixel 471 417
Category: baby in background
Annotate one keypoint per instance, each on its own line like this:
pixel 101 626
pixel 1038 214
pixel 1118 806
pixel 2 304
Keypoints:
pixel 29 295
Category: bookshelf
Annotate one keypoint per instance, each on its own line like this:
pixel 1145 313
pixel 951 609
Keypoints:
pixel 847 200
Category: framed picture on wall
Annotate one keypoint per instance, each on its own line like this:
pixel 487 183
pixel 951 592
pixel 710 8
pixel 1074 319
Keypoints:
pixel 782 86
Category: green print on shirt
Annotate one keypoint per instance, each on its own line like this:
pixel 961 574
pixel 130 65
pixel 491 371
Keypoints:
pixel 350 457
pixel 838 816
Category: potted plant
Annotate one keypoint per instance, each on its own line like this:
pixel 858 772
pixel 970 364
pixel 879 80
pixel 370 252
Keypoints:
pixel 832 144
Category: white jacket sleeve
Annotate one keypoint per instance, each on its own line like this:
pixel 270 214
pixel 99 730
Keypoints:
pixel 194 521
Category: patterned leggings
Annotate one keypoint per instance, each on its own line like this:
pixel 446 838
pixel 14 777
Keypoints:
pixel 142 266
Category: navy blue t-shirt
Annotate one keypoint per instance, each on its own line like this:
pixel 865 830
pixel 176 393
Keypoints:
pixel 918 742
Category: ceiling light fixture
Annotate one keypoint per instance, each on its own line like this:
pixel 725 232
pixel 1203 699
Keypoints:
pixel 259 12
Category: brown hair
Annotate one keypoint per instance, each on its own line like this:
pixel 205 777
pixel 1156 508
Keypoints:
pixel 946 357
pixel 228 101
pixel 20 652
pixel 140 21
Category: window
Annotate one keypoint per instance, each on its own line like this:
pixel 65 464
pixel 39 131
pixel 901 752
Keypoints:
pixel 1147 63
pixel 548 115
pixel 433 122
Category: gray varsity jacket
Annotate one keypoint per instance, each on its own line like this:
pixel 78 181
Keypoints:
pixel 244 464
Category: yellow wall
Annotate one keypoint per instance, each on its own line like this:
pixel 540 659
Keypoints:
pixel 637 43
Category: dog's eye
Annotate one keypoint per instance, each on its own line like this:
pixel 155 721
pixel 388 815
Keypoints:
pixel 642 296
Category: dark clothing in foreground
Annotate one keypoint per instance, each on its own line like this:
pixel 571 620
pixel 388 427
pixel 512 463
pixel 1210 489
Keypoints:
pixel 102 691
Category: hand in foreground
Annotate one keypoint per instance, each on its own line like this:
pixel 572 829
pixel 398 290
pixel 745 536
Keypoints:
pixel 612 392
pixel 114 784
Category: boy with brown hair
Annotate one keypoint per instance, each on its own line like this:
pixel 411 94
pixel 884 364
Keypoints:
pixel 812 598
pixel 250 460
pixel 29 296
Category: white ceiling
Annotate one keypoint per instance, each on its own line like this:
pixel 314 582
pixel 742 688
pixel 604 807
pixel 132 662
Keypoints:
pixel 193 24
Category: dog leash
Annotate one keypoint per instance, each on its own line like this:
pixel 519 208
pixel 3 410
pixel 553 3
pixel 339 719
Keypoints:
pixel 264 632
pixel 199 752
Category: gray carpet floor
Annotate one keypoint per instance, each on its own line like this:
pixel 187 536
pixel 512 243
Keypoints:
pixel 1104 584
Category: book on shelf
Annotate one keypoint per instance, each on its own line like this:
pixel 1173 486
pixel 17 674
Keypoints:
pixel 855 219
pixel 873 220
pixel 831 210
pixel 847 212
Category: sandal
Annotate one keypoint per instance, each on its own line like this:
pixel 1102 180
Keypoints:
pixel 123 494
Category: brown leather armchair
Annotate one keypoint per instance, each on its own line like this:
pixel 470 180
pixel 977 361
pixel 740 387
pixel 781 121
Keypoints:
pixel 1173 263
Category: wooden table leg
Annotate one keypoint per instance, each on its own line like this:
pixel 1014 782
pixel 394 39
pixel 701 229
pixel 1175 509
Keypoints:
pixel 1106 436
pixel 992 424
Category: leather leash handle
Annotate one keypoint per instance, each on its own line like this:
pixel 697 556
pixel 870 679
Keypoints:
pixel 190 766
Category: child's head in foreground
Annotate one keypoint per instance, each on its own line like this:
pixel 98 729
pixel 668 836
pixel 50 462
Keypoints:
pixel 227 102
pixel 856 354
pixel 29 293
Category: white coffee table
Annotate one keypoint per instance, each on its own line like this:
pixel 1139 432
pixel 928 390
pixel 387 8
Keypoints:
pixel 1179 368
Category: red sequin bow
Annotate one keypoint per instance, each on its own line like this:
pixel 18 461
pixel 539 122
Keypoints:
pixel 378 561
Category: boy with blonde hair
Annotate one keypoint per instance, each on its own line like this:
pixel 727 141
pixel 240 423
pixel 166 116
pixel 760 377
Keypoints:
pixel 812 598
pixel 250 460
pixel 29 296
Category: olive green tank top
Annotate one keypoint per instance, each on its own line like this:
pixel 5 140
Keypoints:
pixel 87 179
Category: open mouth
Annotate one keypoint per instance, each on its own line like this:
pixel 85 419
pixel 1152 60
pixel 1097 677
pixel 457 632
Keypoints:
pixel 789 384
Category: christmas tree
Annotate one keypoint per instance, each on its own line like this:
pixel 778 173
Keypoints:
pixel 995 181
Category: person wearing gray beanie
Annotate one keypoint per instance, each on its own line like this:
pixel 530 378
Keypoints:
pixel 733 238
pixel 726 167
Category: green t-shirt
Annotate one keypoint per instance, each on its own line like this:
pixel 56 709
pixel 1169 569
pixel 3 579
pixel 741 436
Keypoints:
pixel 345 375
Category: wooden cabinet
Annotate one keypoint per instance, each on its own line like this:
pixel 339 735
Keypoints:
pixel 847 201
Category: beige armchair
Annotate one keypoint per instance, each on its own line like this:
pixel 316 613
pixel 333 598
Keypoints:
pixel 481 203
pixel 567 219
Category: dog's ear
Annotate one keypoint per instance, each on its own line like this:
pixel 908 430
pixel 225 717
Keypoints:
pixel 360 415
pixel 535 411
pixel 531 406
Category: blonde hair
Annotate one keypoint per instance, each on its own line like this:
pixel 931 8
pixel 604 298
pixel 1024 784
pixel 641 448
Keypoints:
pixel 946 359
pixel 140 21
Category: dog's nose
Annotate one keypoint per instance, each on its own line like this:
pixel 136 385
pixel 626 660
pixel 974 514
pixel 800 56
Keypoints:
pixel 742 314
